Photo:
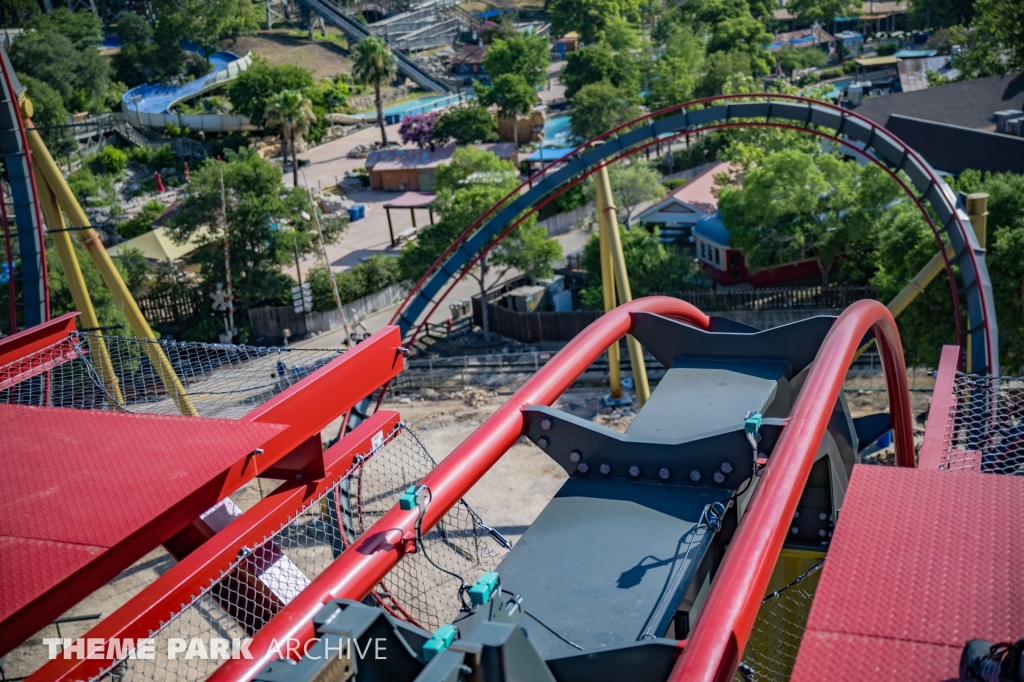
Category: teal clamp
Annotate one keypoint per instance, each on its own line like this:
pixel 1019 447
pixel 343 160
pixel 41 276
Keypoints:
pixel 484 588
pixel 439 641
pixel 752 425
pixel 408 499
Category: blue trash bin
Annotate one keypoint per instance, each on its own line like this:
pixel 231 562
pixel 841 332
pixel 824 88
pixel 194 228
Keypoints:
pixel 356 212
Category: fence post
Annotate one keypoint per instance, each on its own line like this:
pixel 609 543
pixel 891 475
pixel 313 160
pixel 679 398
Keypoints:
pixel 465 368
pixel 431 361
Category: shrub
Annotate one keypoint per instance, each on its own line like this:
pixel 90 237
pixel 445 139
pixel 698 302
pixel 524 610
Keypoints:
pixel 83 183
pixel 376 273
pixel 673 183
pixel 142 222
pixel 886 49
pixel 114 159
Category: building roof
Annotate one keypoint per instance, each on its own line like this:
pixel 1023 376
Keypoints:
pixel 408 159
pixel 503 150
pixel 712 229
pixel 876 61
pixel 696 196
pixel 914 54
pixel 969 104
pixel 470 54
pixel 913 72
pixel 805 37
pixel 953 148
pixel 412 200
pixel 156 245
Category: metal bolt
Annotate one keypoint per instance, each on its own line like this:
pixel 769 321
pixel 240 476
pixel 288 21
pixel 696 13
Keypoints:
pixel 794 530
pixel 575 455
pixel 694 475
pixel 796 515
pixel 719 477
pixel 582 468
pixel 727 467
pixel 545 424
pixel 821 533
pixel 822 516
pixel 543 441
pixel 634 471
pixel 605 469
pixel 664 473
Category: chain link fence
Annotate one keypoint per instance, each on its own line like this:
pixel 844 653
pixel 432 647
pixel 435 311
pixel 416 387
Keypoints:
pixel 89 371
pixel 256 585
pixel 985 427
pixel 771 650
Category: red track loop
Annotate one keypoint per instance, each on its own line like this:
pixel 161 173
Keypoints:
pixel 376 552
pixel 728 615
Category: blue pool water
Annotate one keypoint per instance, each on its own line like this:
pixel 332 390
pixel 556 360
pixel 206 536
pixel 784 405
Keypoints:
pixel 394 114
pixel 557 131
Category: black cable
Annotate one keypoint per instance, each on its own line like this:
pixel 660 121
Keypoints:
pixel 463 587
pixel 545 625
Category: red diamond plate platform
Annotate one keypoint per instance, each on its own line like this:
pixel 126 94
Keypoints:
pixel 86 493
pixel 921 561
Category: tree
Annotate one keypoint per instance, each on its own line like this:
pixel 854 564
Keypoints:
pixel 932 14
pixel 795 205
pixel 254 87
pixel 792 59
pixel 14 13
pixel 824 11
pixel 512 95
pixel 672 77
pixel 704 15
pixel 524 54
pixel 652 266
pixel 48 110
pixel 456 213
pixel 589 18
pixel 595 63
pixel 141 59
pixel 375 64
pixel 620 35
pixel 82 28
pixel 529 250
pixel 601 107
pixel 722 68
pixel 420 129
pixel 204 22
pixel 1004 21
pixel 982 55
pixel 293 111
pixel 258 208
pixel 466 125
pixel 744 34
pixel 632 185
pixel 1005 257
pixel 79 76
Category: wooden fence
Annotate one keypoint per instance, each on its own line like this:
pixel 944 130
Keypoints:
pixel 168 307
pixel 534 327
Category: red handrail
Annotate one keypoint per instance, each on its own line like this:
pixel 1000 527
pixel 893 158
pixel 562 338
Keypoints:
pixel 725 621
pixel 377 551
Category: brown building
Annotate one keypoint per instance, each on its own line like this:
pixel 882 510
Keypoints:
pixel 415 170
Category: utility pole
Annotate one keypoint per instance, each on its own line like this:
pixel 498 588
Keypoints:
pixel 227 257
pixel 327 261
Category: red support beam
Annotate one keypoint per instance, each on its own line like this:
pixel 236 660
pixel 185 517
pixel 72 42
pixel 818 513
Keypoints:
pixel 380 548
pixel 725 621
pixel 144 612
pixel 28 341
pixel 941 409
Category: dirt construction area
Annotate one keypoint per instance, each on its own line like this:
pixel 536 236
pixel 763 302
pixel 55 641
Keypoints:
pixel 324 57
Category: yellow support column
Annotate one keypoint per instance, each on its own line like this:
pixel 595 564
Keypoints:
pixel 66 200
pixel 606 207
pixel 79 292
pixel 608 288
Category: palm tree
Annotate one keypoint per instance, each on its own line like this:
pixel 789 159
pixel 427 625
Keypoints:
pixel 376 65
pixel 293 111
